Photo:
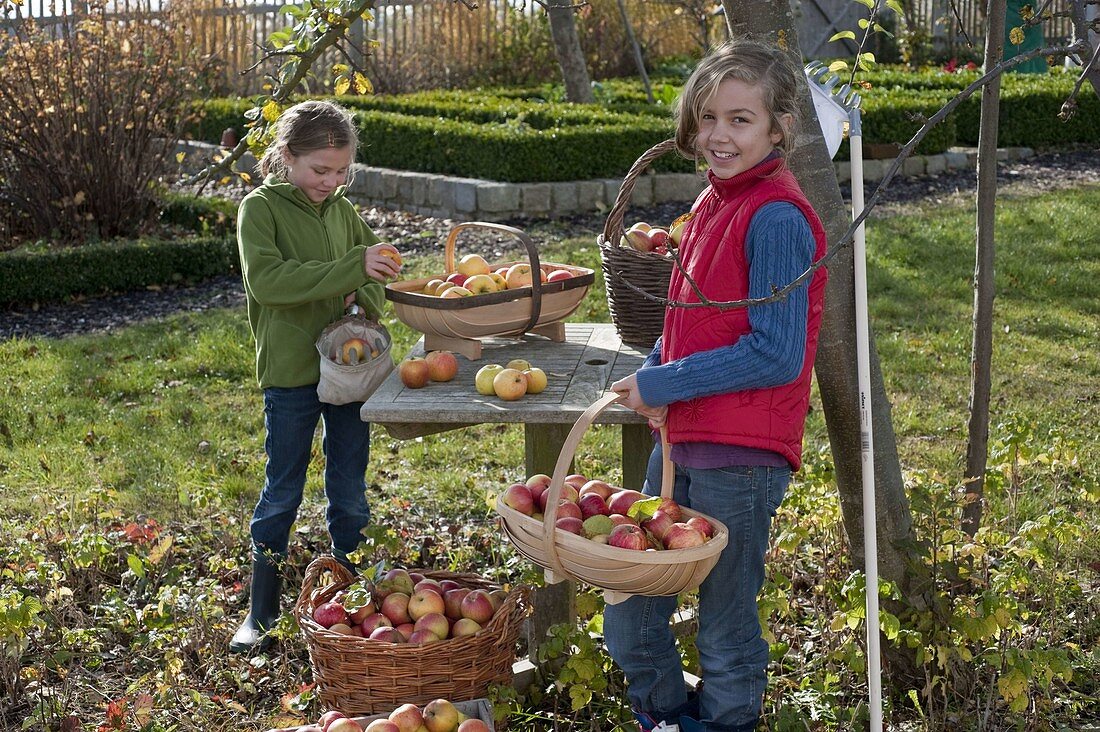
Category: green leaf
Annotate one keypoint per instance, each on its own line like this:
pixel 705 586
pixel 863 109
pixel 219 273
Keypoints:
pixel 644 509
pixel 843 34
pixel 895 5
pixel 136 566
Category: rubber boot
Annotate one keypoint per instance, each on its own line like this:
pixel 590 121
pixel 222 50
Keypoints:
pixel 263 611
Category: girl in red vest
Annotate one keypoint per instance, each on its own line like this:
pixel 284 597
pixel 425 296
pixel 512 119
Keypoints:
pixel 731 385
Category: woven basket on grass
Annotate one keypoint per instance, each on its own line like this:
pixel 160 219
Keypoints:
pixel 619 572
pixel 361 676
pixel 637 319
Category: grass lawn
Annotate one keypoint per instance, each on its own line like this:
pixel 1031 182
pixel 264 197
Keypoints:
pixel 162 422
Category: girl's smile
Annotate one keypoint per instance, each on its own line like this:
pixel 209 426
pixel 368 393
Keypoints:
pixel 735 129
pixel 320 172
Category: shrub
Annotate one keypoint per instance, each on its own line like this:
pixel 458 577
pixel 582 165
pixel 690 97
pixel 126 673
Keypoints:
pixel 87 120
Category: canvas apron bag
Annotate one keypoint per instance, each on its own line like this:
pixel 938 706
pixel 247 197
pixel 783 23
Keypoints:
pixel 351 372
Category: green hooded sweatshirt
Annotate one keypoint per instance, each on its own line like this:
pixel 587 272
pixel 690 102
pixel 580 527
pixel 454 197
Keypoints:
pixel 299 260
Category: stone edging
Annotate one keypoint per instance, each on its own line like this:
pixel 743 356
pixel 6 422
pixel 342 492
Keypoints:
pixel 426 194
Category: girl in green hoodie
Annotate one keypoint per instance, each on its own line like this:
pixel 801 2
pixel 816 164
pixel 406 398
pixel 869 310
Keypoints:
pixel 306 256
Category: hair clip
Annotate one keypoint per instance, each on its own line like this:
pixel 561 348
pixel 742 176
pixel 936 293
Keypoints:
pixel 331 139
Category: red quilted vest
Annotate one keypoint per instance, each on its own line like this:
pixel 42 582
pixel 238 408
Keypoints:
pixel 713 252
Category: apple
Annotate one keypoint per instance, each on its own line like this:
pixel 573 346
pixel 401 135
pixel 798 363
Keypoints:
pixel 497 597
pixel 448 584
pixel 328 718
pixel 456 291
pixel 701 525
pixel 395 580
pixel 413 372
pixel 659 523
pixel 598 487
pixel 538 483
pixel 618 518
pixel 642 226
pixel 672 508
pixel 576 480
pixel 622 501
pixel 431 287
pixel 422 636
pixel 387 635
pixel 435 623
pixel 567 493
pixel 627 536
pixel 464 627
pixel 682 536
pixel 441 716
pixel 597 525
pixel 354 351
pixel 519 275
pixel 559 274
pixel 481 284
pixel 356 616
pixel 342 629
pixel 519 364
pixel 567 508
pixel 510 384
pixel 344 724
pixel 382 725
pixel 483 379
pixel 425 602
pixel 396 608
pixel 591 504
pixel 477 606
pixel 639 238
pixel 473 725
pixel 442 365
pixel 536 380
pixel 452 602
pixel 407 717
pixel 406 629
pixel 425 582
pixel 676 233
pixel 518 496
pixel 456 278
pixel 473 264
pixel 658 238
pixel 373 622
pixel 330 613
pixel 572 524
pixel 498 280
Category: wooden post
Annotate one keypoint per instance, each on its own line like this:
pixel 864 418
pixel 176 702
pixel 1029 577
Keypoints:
pixel 637 444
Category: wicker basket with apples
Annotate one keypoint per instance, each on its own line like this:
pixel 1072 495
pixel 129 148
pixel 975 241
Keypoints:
pixel 408 637
pixel 621 541
pixel 475 298
pixel 438 715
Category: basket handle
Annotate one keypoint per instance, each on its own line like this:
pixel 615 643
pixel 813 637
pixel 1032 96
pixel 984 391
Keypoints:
pixel 316 568
pixel 532 256
pixel 561 470
pixel 613 227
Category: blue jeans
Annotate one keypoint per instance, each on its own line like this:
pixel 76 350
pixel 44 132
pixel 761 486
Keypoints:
pixel 290 418
pixel 732 653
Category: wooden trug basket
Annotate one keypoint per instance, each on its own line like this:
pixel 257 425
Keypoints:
pixel 362 676
pixel 620 573
pixel 638 319
pixel 456 323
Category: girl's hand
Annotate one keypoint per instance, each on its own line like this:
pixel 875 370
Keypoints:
pixel 382 261
pixel 349 300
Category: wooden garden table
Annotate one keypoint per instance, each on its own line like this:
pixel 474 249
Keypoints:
pixel 580 369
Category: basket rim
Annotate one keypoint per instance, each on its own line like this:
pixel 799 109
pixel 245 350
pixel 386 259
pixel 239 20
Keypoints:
pixel 585 278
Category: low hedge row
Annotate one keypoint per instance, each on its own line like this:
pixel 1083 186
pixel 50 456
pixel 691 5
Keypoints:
pixel 115 266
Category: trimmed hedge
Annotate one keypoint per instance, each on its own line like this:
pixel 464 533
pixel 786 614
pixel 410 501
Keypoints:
pixel 114 266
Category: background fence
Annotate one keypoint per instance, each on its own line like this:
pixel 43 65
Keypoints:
pixel 422 44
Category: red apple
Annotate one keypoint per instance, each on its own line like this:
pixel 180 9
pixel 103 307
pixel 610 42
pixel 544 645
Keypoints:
pixel 682 536
pixel 618 518
pixel 701 525
pixel 559 274
pixel 330 613
pixel 659 523
pixel 477 606
pixel 447 585
pixel 672 508
pixel 422 636
pixel 576 480
pixel 627 536
pixel 435 623
pixel 328 718
pixel 396 608
pixel 497 597
pixel 622 501
pixel 382 725
pixel 406 629
pixel 356 616
pixel 426 583
pixel 387 635
pixel 442 365
pixel 425 602
pixel 395 580
pixel 457 278
pixel 599 487
pixel 464 627
pixel 572 524
pixel 452 602
pixel 407 718
pixel 344 724
pixel 473 725
pixel 568 508
pixel 342 629
pixel 373 622
pixel 413 372
pixel 591 504
pixel 518 496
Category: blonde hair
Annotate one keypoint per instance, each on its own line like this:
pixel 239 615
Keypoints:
pixel 751 62
pixel 307 127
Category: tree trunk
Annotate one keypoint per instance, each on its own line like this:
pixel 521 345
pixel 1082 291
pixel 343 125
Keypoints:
pixel 633 41
pixel 981 350
pixel 835 365
pixel 567 47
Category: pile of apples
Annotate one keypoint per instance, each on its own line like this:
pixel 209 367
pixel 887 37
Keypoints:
pixel 609 515
pixel 656 239
pixel 474 276
pixel 439 715
pixel 511 381
pixel 416 372
pixel 356 350
pixel 407 607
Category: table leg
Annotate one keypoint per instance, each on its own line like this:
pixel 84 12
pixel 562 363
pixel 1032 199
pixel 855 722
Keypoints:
pixel 637 446
pixel 556 603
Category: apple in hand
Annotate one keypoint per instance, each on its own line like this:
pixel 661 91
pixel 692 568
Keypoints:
pixel 627 536
pixel 483 379
pixel 442 365
pixel 414 372
pixel 510 384
pixel 518 497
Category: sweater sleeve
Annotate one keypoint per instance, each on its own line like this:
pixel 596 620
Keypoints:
pixel 279 282
pixel 779 247
pixel 372 295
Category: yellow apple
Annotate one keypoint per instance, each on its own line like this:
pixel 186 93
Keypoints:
pixel 431 286
pixel 518 364
pixel 473 264
pixel 510 384
pixel 536 380
pixel 498 278
pixel 483 379
pixel 481 284
pixel 442 716
pixel 519 275
pixel 456 291
pixel 677 232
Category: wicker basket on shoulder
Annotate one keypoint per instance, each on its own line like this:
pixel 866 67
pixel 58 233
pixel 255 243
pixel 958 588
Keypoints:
pixel 638 319
pixel 361 676
pixel 619 572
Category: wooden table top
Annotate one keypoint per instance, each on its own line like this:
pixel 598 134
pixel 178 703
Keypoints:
pixel 579 371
